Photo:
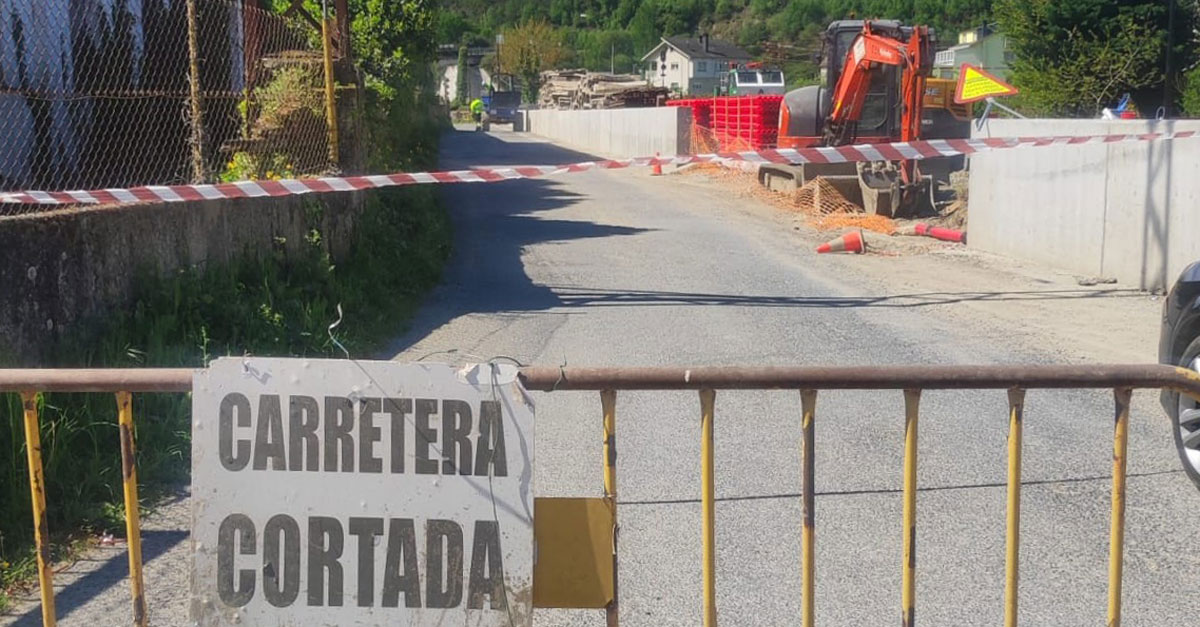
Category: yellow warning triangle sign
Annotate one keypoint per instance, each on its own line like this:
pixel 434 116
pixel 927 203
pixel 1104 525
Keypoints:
pixel 975 84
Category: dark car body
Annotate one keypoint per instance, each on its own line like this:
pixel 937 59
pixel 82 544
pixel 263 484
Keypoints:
pixel 1181 316
pixel 1180 330
pixel 503 107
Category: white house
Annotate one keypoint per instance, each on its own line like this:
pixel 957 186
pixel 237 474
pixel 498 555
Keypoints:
pixel 691 66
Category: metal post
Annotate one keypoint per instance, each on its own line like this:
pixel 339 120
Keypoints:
pixel 908 573
pixel 341 9
pixel 1169 70
pixel 608 401
pixel 331 119
pixel 708 507
pixel 1116 547
pixel 1016 407
pixel 133 532
pixel 37 493
pixel 808 406
pixel 198 170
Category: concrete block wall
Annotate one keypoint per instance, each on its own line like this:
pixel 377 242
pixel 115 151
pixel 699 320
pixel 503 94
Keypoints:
pixel 61 271
pixel 1130 211
pixel 616 133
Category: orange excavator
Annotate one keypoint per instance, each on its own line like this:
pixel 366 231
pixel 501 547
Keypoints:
pixel 874 81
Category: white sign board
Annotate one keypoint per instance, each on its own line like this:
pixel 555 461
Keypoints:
pixel 361 493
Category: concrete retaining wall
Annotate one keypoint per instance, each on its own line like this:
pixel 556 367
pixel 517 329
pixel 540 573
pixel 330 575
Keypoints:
pixel 62 271
pixel 616 133
pixel 1129 211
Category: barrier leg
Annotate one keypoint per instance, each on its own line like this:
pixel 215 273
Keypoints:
pixel 1116 546
pixel 37 491
pixel 133 531
pixel 908 608
pixel 608 400
pixel 1016 408
pixel 708 507
pixel 808 403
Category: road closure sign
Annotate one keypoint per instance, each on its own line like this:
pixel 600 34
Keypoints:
pixel 974 84
pixel 330 492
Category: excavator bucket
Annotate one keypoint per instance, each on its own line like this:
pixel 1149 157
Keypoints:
pixel 884 192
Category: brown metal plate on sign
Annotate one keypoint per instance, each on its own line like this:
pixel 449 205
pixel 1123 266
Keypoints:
pixel 574 539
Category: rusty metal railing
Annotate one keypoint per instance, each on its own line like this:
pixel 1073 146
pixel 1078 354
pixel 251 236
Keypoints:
pixel 912 380
pixel 1122 379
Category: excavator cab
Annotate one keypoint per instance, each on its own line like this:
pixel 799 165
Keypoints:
pixel 803 118
pixel 875 108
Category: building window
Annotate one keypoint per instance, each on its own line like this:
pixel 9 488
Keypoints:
pixel 654 66
pixel 701 67
pixel 674 86
pixel 674 66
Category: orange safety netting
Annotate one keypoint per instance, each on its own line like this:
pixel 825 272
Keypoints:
pixel 705 140
pixel 826 207
pixel 832 211
pixel 820 197
pixel 877 223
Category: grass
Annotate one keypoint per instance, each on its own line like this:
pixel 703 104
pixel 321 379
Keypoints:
pixel 272 303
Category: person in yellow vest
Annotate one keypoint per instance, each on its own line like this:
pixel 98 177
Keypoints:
pixel 477 112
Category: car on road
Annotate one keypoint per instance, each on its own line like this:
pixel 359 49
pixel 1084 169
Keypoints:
pixel 1179 345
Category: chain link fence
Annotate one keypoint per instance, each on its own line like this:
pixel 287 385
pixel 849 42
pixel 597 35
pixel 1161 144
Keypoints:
pixel 116 93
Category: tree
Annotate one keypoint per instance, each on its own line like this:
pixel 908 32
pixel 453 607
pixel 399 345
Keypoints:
pixel 461 91
pixel 644 26
pixel 390 36
pixel 451 27
pixel 1075 57
pixel 529 48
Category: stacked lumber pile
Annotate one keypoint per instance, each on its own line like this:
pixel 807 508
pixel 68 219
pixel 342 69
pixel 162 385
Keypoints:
pixel 580 89
pixel 559 88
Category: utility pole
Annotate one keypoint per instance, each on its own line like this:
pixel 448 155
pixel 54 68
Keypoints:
pixel 1169 70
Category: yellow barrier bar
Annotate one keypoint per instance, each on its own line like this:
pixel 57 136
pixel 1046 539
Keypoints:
pixel 1116 547
pixel 912 399
pixel 1012 539
pixel 133 531
pixel 808 405
pixel 37 492
pixel 608 401
pixel 708 507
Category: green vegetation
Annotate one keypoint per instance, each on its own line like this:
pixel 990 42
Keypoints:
pixel 461 86
pixel 529 48
pixel 1190 98
pixel 1075 57
pixel 1072 57
pixel 616 33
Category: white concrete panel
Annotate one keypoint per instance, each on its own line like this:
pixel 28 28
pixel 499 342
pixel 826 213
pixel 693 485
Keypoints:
pixel 617 133
pixel 1122 210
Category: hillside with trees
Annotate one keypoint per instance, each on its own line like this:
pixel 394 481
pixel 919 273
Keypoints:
pixel 1071 57
pixel 614 34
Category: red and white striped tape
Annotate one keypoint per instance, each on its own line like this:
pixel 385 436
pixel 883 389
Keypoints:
pixel 928 149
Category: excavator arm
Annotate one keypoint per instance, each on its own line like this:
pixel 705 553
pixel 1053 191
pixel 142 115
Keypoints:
pixel 871 50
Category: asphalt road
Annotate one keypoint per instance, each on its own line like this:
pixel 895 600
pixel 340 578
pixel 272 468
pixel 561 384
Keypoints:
pixel 618 268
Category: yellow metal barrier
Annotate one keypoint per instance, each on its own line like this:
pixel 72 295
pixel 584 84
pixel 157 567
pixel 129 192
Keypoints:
pixel 1012 544
pixel 133 530
pixel 602 513
pixel 37 491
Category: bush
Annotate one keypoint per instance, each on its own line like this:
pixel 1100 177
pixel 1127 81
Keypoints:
pixel 1189 98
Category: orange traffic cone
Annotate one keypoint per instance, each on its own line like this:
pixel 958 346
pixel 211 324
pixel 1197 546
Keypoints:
pixel 851 242
pixel 656 168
